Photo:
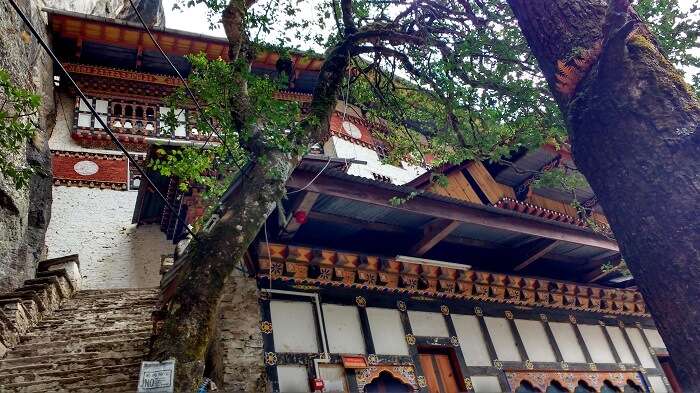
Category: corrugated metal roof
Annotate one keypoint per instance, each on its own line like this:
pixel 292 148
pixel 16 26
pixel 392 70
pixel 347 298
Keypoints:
pixel 505 238
pixel 349 208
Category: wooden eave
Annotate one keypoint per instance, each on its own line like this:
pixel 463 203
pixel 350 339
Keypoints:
pixel 436 206
pixel 108 31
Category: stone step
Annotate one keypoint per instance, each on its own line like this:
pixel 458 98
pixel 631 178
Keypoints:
pixel 99 307
pixel 60 282
pixel 10 362
pixel 127 368
pixel 49 336
pixel 67 364
pixel 93 342
pixel 110 387
pixel 100 312
pixel 111 324
pixel 115 376
pixel 111 346
pixel 53 319
pixel 112 307
pixel 105 293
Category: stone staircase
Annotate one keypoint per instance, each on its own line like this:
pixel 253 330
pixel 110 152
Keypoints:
pixel 62 340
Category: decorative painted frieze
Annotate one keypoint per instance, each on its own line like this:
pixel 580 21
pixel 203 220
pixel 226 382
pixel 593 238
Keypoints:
pixel 89 169
pixel 570 379
pixel 328 267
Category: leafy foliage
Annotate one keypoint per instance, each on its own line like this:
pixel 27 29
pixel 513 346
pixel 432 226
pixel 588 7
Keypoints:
pixel 445 81
pixel 17 107
pixel 677 32
pixel 218 92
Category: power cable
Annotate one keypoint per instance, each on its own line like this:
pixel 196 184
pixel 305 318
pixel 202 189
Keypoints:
pixel 82 96
pixel 312 180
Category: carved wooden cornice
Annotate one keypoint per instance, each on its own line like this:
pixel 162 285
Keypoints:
pixel 352 270
pixel 538 211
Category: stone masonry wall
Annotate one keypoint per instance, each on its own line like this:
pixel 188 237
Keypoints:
pixel 239 347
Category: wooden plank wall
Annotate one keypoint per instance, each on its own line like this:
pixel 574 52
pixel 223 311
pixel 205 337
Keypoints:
pixel 457 187
pixel 486 182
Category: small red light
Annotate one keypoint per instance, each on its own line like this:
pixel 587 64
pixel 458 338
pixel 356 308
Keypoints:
pixel 317 385
pixel 300 217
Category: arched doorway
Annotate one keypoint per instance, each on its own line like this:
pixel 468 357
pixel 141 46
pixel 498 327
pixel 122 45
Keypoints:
pixel 387 383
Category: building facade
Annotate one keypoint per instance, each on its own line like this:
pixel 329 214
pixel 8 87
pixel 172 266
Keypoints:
pixel 483 285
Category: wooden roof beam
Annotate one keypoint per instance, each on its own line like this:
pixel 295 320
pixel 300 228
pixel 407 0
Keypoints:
pixel 533 251
pixel 299 214
pixel 596 273
pixel 433 233
pixel 432 206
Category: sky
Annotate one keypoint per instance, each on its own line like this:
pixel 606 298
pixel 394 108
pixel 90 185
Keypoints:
pixel 194 19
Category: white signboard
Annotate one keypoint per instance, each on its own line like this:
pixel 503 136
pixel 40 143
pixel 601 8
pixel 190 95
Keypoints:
pixel 157 377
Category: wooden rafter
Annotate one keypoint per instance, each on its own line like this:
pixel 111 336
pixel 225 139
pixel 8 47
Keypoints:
pixel 531 252
pixel 433 233
pixel 473 214
pixel 596 265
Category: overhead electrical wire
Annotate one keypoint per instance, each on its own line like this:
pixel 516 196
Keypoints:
pixel 104 125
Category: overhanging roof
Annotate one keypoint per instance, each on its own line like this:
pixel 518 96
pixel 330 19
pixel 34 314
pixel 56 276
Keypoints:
pixel 376 198
pixel 118 44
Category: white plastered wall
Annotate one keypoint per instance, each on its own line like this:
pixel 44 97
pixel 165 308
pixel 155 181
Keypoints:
pixel 387 331
pixel 343 329
pixel 618 340
pixel 596 343
pixel 640 347
pixel 293 378
pixel 565 336
pixel 654 338
pixel 486 384
pixel 503 340
pixel 428 324
pixel 471 340
pixel 293 326
pixel 342 148
pixel 96 225
pixel 535 340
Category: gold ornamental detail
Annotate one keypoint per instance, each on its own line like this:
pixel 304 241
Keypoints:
pixel 270 358
pixel 444 310
pixel 266 327
pixel 410 339
pixel 401 305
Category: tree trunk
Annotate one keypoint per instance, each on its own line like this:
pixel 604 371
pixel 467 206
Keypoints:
pixel 635 131
pixel 192 312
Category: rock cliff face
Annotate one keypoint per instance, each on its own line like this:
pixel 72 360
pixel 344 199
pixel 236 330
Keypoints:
pixel 24 215
pixel 151 11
